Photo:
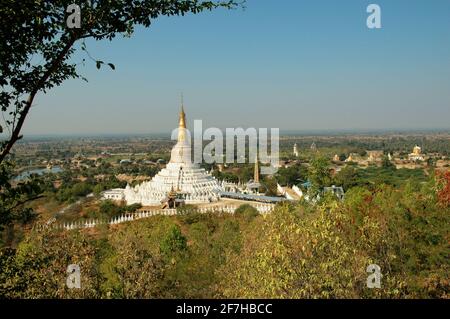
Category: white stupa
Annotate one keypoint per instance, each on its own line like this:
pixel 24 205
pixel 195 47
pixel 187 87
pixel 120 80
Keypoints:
pixel 188 180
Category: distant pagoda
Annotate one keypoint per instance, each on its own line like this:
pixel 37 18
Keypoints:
pixel 295 150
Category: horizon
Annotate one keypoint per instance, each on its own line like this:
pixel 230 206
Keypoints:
pixel 295 67
pixel 283 133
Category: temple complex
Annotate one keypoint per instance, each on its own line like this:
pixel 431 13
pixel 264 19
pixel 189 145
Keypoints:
pixel 184 182
pixel 181 178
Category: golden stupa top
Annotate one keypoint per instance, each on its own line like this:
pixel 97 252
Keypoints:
pixel 182 123
pixel 417 150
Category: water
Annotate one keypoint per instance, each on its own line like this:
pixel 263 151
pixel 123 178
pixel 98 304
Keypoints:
pixel 39 171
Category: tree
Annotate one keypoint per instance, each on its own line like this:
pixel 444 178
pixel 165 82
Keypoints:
pixel 347 177
pixel 290 175
pixel 319 175
pixel 136 272
pixel 246 212
pixel 108 208
pixel 13 198
pixel 293 255
pixel 302 251
pixel 387 163
pixel 36 51
pixel 173 242
pixel 36 45
pixel 38 268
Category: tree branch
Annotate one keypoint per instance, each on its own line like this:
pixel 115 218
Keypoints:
pixel 15 136
pixel 26 201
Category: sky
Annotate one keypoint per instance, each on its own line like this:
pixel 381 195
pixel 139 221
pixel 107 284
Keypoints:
pixel 290 64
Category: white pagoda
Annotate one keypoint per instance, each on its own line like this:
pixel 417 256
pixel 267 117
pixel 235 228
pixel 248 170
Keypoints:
pixel 296 153
pixel 191 183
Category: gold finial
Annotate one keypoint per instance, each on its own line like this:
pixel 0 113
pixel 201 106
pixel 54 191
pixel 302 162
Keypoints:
pixel 182 114
pixel 182 123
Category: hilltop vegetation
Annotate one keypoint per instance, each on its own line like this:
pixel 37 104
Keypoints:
pixel 298 251
pixel 395 218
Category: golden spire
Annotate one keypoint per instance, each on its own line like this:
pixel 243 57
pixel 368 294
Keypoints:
pixel 182 123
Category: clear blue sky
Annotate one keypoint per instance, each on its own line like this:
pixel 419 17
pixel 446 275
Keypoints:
pixel 291 64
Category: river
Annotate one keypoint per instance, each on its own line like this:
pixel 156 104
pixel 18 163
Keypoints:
pixel 39 171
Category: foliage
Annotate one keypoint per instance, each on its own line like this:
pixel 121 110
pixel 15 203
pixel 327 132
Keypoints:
pixel 375 176
pixel 346 177
pixel 109 208
pixel 292 255
pixel 291 175
pixel 37 54
pixel 36 46
pixel 246 212
pixel 38 268
pixel 386 163
pixel 298 251
pixel 130 269
pixel 72 193
pixel 444 188
pixel 13 197
pixel 318 175
pixel 173 242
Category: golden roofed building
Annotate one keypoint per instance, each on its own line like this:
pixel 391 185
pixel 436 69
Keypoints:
pixel 416 154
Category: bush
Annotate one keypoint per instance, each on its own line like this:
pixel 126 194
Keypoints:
pixel 173 242
pixel 246 212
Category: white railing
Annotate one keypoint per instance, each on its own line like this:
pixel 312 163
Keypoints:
pixel 91 223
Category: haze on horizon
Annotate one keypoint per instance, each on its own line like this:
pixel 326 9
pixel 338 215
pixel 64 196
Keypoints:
pixel 295 65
